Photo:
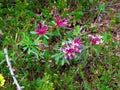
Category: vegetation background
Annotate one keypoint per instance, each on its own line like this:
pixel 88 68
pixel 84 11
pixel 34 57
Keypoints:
pixel 97 67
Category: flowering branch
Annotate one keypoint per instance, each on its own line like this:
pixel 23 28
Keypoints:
pixel 11 70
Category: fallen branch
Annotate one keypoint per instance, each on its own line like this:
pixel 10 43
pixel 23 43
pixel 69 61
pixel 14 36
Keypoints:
pixel 11 70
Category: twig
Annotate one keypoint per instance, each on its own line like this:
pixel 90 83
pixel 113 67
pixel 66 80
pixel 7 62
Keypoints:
pixel 11 70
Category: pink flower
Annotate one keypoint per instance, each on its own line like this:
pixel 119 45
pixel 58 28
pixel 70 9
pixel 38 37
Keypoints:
pixel 71 48
pixel 41 29
pixel 96 39
pixel 77 40
pixel 43 46
pixel 61 22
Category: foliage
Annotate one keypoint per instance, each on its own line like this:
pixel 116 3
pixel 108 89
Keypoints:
pixel 44 83
pixel 66 51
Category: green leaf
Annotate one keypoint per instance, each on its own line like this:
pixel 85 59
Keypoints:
pixel 86 55
pixel 69 34
pixel 96 51
pixel 77 30
pixel 102 7
pixel 45 36
pixel 78 14
pixel 1 54
pixel 106 36
pixel 32 32
pixel 2 62
pixel 36 40
pixel 1 5
pixel 63 62
pixel 57 60
pixel 67 62
pixel 45 42
pixel 84 47
pixel 53 22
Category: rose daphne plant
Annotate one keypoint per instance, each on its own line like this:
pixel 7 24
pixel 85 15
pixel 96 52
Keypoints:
pixel 61 22
pixel 95 45
pixel 68 51
pixel 71 50
pixel 34 46
pixel 42 31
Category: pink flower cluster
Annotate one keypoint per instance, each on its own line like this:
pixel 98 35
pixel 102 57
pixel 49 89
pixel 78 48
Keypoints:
pixel 61 22
pixel 41 29
pixel 96 39
pixel 71 48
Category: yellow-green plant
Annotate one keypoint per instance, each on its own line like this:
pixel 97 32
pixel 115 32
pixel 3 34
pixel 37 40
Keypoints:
pixel 2 80
pixel 45 83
